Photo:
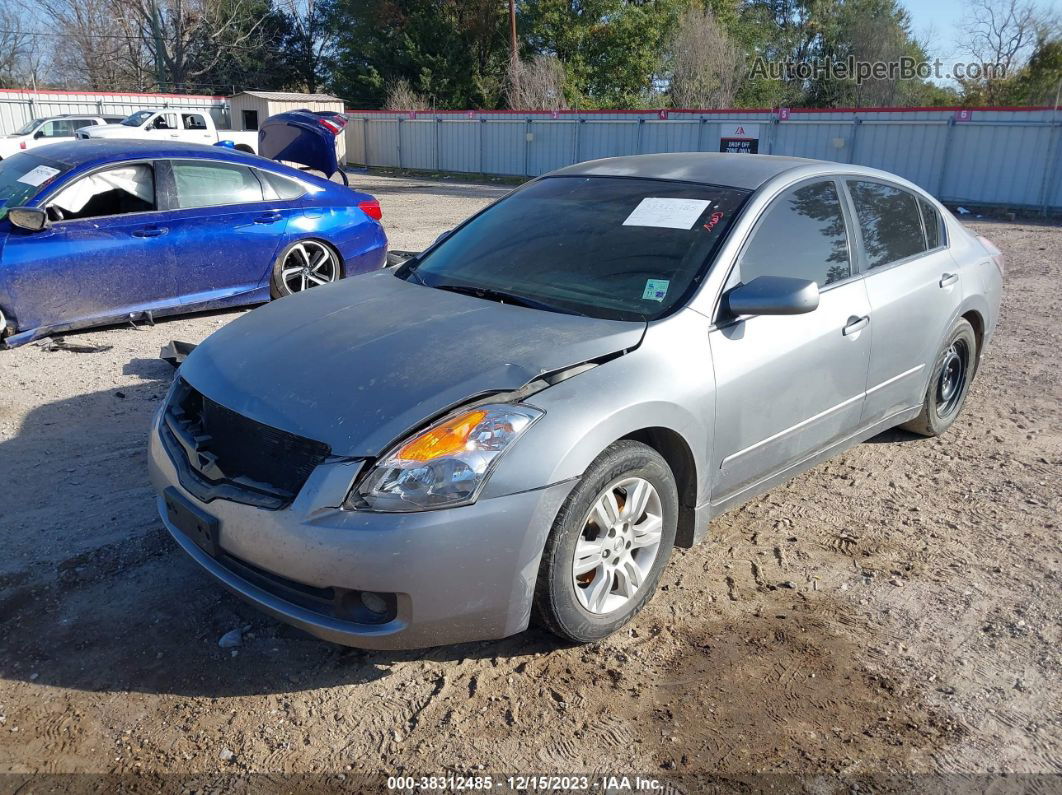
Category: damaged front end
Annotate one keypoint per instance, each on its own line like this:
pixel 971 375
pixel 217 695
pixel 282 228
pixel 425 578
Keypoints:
pixel 220 454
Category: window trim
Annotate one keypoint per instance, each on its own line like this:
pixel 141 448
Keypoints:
pixel 258 173
pixel 41 200
pixel 719 320
pixel 864 259
pixel 189 114
pixel 941 224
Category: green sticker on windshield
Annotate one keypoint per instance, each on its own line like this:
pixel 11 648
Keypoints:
pixel 655 289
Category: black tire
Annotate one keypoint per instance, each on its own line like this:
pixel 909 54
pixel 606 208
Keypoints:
pixel 276 283
pixel 941 406
pixel 244 148
pixel 556 604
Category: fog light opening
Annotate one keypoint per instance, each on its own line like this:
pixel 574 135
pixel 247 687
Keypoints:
pixel 375 603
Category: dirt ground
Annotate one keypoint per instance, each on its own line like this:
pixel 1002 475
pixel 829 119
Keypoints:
pixel 893 612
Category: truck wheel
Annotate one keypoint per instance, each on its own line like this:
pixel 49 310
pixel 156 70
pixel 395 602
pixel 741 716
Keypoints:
pixel 244 148
pixel 609 544
pixel 302 265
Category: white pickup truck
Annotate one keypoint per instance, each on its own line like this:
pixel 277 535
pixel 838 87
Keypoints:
pixel 173 124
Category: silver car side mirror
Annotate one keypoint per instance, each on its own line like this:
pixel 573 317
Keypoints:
pixel 32 218
pixel 772 295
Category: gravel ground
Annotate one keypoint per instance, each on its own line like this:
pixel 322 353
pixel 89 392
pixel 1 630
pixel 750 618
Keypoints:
pixel 894 611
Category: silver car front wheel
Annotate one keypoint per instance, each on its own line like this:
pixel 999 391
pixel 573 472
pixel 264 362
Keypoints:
pixel 609 544
pixel 618 546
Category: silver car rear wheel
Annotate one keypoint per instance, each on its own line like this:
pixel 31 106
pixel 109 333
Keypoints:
pixel 618 546
pixel 307 264
pixel 949 383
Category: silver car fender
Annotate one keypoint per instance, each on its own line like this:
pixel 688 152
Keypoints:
pixel 666 384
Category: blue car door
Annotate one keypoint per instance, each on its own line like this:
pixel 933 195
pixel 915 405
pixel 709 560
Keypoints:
pixel 225 230
pixel 106 252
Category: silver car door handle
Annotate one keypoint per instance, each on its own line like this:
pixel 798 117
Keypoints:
pixel 948 279
pixel 856 324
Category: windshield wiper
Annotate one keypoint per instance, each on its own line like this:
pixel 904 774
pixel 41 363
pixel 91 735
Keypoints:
pixel 502 297
pixel 412 273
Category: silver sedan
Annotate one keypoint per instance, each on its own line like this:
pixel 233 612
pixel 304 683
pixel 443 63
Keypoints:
pixel 522 421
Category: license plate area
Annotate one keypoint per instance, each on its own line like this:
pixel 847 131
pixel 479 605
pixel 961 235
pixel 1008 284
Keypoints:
pixel 198 525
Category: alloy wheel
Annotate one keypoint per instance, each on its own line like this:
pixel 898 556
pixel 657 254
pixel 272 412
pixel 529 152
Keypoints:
pixel 618 545
pixel 308 264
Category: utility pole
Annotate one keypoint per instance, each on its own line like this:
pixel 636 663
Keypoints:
pixel 512 30
pixel 156 33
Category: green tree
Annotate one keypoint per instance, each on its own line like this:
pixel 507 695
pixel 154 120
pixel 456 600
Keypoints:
pixel 453 52
pixel 610 49
pixel 818 32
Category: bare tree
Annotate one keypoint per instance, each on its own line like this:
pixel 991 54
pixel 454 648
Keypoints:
pixel 401 96
pixel 535 84
pixel 704 65
pixel 875 39
pixel 93 38
pixel 189 37
pixel 1003 33
pixel 16 46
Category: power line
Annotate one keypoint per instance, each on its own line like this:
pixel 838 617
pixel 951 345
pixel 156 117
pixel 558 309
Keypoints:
pixel 130 37
pixel 73 35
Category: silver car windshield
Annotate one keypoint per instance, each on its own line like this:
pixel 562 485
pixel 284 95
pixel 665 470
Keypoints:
pixel 616 247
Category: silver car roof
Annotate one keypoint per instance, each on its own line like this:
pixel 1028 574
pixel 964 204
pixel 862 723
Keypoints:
pixel 714 168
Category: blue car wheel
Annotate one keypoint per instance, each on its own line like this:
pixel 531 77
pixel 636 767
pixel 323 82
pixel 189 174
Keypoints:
pixel 302 265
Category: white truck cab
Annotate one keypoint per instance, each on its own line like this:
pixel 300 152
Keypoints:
pixel 173 124
pixel 49 130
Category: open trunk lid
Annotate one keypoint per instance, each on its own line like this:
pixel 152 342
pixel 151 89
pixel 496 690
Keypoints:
pixel 305 137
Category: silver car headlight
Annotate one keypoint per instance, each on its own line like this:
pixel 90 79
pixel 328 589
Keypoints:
pixel 445 465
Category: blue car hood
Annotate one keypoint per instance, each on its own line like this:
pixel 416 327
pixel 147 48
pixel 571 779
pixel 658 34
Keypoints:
pixel 360 363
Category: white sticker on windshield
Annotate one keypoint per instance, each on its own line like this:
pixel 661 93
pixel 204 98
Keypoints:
pixel 655 289
pixel 38 176
pixel 668 213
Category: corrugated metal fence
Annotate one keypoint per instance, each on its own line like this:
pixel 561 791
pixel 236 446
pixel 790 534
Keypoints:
pixel 1010 157
pixel 20 106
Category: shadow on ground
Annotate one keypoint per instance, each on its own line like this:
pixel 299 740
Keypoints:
pixel 96 596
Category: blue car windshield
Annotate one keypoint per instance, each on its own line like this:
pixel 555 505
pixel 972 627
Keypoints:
pixel 23 175
pixel 614 247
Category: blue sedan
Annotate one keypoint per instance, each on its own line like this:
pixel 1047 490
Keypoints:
pixel 97 232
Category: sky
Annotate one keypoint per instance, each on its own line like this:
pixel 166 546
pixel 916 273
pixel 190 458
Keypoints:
pixel 943 17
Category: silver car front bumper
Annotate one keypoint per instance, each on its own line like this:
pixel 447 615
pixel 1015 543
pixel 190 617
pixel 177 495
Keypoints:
pixel 459 574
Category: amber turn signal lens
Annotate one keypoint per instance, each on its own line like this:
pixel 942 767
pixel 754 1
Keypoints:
pixel 446 439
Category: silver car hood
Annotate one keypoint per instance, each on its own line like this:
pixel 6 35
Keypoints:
pixel 360 363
